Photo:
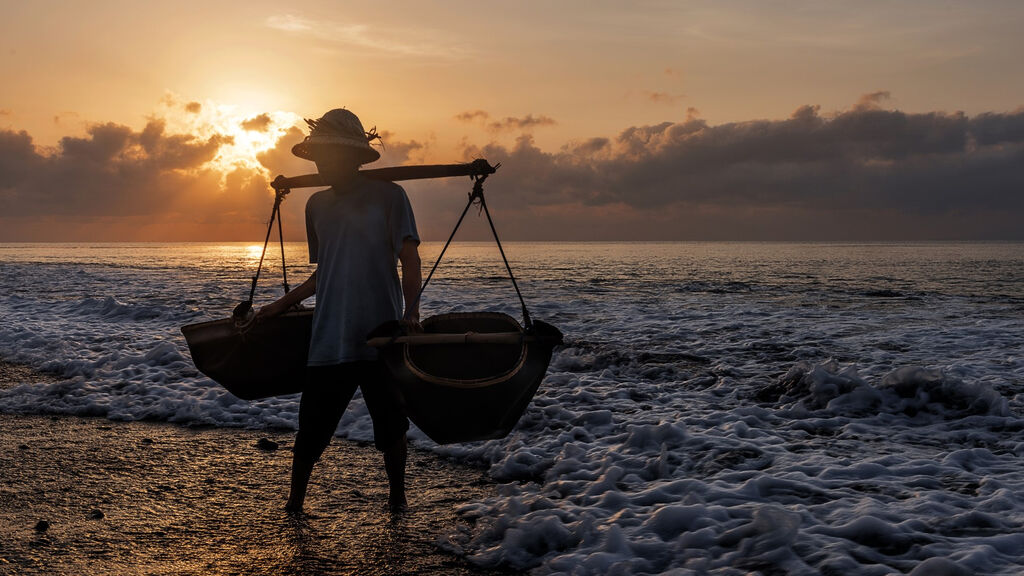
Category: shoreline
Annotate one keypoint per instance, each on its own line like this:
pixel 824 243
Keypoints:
pixel 12 374
pixel 159 498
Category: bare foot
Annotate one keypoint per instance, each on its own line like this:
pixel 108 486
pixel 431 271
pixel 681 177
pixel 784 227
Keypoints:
pixel 397 503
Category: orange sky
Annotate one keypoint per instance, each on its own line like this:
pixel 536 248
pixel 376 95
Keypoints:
pixel 136 112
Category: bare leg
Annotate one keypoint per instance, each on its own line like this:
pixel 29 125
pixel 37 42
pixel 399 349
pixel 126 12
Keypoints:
pixel 327 394
pixel 389 430
pixel 302 468
pixel 394 465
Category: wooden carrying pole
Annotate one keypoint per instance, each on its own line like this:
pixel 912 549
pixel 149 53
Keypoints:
pixel 475 168
pixel 465 338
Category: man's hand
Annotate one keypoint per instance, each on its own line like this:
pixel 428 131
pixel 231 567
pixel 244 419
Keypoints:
pixel 289 300
pixel 411 325
pixel 270 310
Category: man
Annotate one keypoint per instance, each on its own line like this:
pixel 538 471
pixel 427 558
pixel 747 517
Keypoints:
pixel 356 230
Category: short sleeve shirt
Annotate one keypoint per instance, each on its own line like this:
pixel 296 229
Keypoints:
pixel 355 234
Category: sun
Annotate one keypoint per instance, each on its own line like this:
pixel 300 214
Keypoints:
pixel 249 133
pixel 247 130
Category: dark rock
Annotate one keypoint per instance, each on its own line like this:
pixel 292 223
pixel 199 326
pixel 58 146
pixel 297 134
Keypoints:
pixel 96 515
pixel 266 444
pixel 42 526
pixel 883 293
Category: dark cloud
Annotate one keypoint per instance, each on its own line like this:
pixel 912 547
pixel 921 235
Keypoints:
pixel 257 123
pixel 996 129
pixel 280 160
pixel 395 151
pixel 508 124
pixel 663 97
pixel 591 147
pixel 113 174
pixel 933 174
pixel 18 158
pixel 473 116
pixel 524 123
pixel 193 107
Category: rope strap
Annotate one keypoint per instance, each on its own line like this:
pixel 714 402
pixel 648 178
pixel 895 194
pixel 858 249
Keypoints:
pixel 477 197
pixel 275 212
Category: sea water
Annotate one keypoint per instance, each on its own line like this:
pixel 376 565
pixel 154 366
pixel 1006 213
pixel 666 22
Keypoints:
pixel 717 408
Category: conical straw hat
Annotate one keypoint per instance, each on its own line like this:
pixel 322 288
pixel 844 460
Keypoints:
pixel 338 127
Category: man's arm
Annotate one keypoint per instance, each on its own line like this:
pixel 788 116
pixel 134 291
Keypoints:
pixel 282 304
pixel 410 259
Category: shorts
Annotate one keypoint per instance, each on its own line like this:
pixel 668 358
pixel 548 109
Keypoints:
pixel 328 391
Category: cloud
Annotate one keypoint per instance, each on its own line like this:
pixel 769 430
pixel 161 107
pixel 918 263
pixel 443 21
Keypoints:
pixel 257 123
pixel 507 124
pixel 17 158
pixel 117 183
pixel 193 107
pixel 176 178
pixel 871 101
pixel 866 171
pixel 861 173
pixel 473 116
pixel 663 97
pixel 289 23
pixel 524 123
pixel 280 160
pixel 396 152
pixel 411 43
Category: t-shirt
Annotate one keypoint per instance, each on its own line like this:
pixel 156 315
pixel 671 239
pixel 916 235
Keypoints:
pixel 355 234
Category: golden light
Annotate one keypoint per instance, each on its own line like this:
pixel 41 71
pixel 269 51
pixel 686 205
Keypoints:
pixel 249 130
pixel 253 252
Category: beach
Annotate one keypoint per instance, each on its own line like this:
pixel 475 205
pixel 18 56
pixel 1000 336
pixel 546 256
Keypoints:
pixel 717 408
pixel 157 498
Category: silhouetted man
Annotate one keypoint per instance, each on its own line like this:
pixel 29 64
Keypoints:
pixel 356 230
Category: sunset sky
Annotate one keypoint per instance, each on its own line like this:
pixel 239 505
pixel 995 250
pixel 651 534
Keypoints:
pixel 822 120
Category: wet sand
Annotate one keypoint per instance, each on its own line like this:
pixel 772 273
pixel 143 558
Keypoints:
pixel 155 498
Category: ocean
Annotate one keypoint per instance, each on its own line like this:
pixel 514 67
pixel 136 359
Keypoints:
pixel 717 408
